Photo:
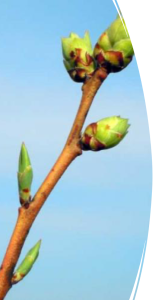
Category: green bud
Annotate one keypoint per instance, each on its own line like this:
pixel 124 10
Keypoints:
pixel 104 134
pixel 78 56
pixel 25 176
pixel 114 48
pixel 26 264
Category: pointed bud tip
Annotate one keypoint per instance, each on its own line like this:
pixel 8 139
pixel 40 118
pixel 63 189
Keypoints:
pixel 24 159
pixel 39 243
pixel 36 247
pixel 87 33
pixel 119 14
pixel 73 35
pixel 23 146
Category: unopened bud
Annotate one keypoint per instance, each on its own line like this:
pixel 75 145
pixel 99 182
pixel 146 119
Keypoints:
pixel 26 264
pixel 78 56
pixel 104 134
pixel 25 176
pixel 114 49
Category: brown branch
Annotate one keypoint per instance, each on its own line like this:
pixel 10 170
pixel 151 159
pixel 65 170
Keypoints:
pixel 27 216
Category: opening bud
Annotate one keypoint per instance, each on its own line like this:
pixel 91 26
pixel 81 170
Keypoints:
pixel 78 56
pixel 114 48
pixel 26 264
pixel 25 176
pixel 104 134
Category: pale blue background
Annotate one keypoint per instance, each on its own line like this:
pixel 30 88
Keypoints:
pixel 95 223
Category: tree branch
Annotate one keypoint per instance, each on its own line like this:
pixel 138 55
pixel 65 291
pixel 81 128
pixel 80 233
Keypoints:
pixel 28 214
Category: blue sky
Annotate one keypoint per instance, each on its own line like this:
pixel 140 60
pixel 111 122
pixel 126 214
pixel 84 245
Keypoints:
pixel 94 224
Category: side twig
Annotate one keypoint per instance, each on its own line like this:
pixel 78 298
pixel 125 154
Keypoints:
pixel 26 215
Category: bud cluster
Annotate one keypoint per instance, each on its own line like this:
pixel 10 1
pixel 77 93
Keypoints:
pixel 113 51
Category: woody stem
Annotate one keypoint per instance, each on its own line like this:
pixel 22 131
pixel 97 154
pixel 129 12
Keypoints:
pixel 27 216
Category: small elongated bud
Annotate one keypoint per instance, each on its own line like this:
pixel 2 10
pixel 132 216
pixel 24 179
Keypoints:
pixel 26 264
pixel 104 134
pixel 114 49
pixel 78 56
pixel 25 176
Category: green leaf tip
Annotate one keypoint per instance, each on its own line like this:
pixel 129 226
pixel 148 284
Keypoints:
pixel 27 264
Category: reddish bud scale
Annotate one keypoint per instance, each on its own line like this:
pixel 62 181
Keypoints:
pixel 114 62
pixel 79 75
pixel 26 190
pixel 89 143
